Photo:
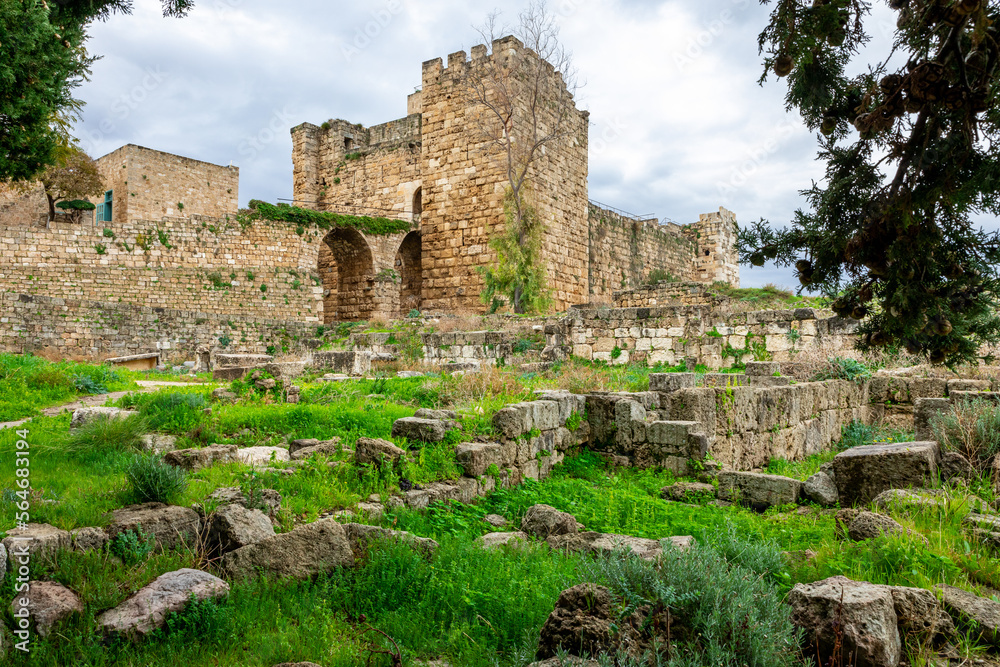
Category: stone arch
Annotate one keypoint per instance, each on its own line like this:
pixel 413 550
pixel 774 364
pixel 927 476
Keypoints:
pixel 346 266
pixel 408 267
pixel 418 203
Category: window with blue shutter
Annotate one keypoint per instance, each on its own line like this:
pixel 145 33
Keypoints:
pixel 104 211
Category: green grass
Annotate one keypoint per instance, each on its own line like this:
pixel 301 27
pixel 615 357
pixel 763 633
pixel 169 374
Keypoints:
pixel 29 383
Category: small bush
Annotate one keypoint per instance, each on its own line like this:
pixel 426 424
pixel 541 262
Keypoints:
pixel 200 621
pixel 172 412
pixel 133 546
pixel 150 480
pixel 104 435
pixel 659 276
pixel 735 615
pixel 972 428
pixel 844 369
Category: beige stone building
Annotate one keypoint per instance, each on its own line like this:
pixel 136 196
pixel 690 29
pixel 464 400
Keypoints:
pixel 140 184
pixel 435 167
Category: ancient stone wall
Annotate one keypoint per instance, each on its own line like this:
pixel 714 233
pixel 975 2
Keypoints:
pixel 209 265
pixel 671 334
pixel 717 259
pixel 624 250
pixel 464 185
pixel 149 184
pixel 24 208
pixel 100 330
pixel 352 169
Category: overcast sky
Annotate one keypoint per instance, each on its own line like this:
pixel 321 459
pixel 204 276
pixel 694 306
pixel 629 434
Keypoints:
pixel 679 124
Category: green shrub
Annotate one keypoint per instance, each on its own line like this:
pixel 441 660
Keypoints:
pixel 150 480
pixel 104 435
pixel 659 276
pixel 735 615
pixel 972 428
pixel 199 621
pixel 844 369
pixel 133 546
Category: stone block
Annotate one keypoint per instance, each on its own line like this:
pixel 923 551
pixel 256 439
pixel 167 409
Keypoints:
pixel 758 490
pixel 864 472
pixel 352 362
pixel 762 368
pixel 924 412
pixel 671 382
pixel 420 430
pixel 513 421
pixel 476 458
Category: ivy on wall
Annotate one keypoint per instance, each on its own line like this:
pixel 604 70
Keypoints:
pixel 302 217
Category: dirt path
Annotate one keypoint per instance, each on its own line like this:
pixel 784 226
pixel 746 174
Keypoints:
pixel 100 399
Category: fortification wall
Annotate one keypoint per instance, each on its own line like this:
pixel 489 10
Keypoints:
pixel 194 264
pixel 349 168
pixel 671 334
pixel 149 184
pixel 464 186
pixel 100 330
pixel 623 252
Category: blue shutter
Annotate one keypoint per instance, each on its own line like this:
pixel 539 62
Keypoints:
pixel 100 213
pixel 107 207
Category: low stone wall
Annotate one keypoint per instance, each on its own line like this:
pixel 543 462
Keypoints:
pixel 671 334
pixel 98 330
pixel 742 426
pixel 484 347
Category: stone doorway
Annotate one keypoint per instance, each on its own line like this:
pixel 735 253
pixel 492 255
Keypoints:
pixel 347 268
pixel 410 273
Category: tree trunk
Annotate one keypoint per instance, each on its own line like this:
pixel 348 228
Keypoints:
pixel 52 206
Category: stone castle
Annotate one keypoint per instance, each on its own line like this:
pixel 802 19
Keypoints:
pixel 434 167
pixel 165 245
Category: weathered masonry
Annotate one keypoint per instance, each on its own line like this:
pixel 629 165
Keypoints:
pixel 434 167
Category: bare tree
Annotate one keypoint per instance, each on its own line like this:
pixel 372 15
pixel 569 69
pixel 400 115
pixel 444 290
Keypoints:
pixel 520 99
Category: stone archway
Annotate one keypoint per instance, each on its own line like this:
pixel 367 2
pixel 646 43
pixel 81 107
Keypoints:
pixel 408 268
pixel 347 268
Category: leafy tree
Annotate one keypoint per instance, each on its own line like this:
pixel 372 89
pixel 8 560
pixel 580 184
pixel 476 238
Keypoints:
pixel 42 59
pixel 520 109
pixel 73 176
pixel 519 273
pixel 911 155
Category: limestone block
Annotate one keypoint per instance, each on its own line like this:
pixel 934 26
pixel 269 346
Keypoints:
pixel 864 472
pixel 671 382
pixel 924 413
pixel 758 490
pixel 476 458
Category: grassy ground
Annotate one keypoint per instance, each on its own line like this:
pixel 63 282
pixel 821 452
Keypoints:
pixel 29 384
pixel 473 607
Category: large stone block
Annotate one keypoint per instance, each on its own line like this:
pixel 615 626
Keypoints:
pixel 300 554
pixel 671 382
pixel 148 609
pixel 858 617
pixel 353 362
pixel 476 458
pixel 864 472
pixel 420 430
pixel 171 526
pixel 198 458
pixel 758 490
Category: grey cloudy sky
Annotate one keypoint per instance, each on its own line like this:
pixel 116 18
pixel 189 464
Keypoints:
pixel 679 124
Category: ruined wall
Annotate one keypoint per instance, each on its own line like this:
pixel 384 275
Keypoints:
pixel 671 334
pixel 101 330
pixel 149 184
pixel 623 252
pixel 717 258
pixel 349 168
pixel 193 264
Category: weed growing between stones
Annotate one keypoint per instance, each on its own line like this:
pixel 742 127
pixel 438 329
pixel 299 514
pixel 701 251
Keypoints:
pixel 150 480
